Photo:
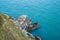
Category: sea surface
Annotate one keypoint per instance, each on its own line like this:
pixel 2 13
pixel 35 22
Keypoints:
pixel 45 12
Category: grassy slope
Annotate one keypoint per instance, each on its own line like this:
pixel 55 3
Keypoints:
pixel 8 32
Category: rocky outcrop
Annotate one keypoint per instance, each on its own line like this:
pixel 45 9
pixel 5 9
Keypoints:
pixel 10 31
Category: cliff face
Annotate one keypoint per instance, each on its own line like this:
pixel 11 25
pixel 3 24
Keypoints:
pixel 8 30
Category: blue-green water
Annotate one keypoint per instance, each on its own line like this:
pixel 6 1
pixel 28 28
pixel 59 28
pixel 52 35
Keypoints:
pixel 46 12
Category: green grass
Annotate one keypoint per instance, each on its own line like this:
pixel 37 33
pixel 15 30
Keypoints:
pixel 10 34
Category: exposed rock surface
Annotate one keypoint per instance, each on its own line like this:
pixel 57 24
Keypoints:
pixel 9 30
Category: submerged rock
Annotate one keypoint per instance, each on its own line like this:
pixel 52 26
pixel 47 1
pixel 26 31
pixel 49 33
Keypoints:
pixel 9 30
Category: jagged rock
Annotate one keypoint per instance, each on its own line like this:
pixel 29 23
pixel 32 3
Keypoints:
pixel 9 30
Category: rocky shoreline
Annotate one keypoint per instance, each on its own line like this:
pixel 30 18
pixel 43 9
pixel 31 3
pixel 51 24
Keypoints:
pixel 17 29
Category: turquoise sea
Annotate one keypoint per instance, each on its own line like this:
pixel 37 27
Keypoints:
pixel 45 12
